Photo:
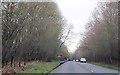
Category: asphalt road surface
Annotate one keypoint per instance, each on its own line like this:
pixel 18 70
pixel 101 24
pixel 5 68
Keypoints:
pixel 77 67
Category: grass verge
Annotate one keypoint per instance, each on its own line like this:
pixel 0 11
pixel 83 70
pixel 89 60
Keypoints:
pixel 106 65
pixel 45 67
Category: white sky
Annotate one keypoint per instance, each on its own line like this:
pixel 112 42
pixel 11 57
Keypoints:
pixel 77 13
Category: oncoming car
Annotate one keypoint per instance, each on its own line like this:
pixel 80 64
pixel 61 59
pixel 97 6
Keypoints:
pixel 83 60
pixel 77 60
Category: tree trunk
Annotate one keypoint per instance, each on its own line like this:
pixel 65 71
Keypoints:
pixel 24 63
pixel 111 60
pixel 19 63
pixel 11 61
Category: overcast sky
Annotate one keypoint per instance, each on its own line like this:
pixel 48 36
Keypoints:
pixel 77 13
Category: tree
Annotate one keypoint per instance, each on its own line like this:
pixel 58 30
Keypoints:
pixel 100 42
pixel 31 31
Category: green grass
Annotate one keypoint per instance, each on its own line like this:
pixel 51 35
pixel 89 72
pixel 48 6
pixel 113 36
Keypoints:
pixel 45 67
pixel 106 65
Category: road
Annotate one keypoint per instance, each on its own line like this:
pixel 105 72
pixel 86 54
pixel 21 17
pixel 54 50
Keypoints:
pixel 77 67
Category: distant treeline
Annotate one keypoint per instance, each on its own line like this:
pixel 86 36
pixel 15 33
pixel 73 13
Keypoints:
pixel 100 42
pixel 31 31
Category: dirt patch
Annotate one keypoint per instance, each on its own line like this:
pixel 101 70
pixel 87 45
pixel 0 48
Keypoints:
pixel 13 69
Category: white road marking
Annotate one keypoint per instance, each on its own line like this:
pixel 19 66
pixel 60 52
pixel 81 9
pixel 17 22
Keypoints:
pixel 91 70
